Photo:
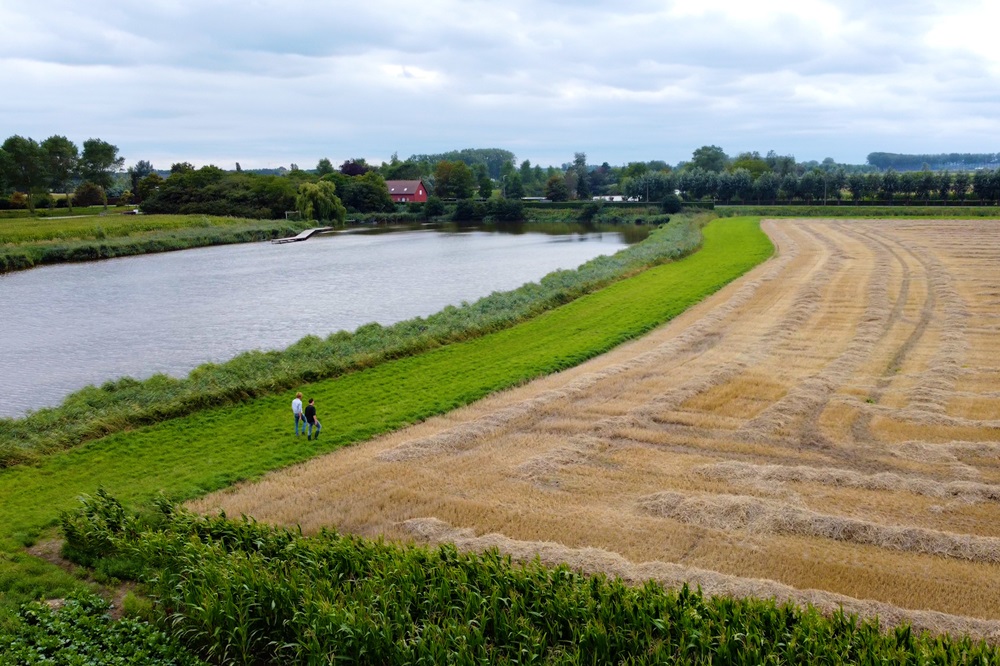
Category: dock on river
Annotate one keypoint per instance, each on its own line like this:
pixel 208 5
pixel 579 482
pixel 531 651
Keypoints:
pixel 303 235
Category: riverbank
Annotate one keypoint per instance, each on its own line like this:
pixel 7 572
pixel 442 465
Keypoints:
pixel 29 242
pixel 213 448
pixel 119 404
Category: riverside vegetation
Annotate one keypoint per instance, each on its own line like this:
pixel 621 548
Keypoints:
pixel 29 242
pixel 126 403
pixel 186 457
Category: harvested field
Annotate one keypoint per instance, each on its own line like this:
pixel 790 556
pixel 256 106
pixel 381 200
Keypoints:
pixel 826 429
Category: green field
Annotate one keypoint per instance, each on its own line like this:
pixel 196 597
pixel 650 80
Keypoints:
pixel 26 242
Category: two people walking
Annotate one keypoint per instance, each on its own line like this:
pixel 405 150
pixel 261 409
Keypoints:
pixel 307 417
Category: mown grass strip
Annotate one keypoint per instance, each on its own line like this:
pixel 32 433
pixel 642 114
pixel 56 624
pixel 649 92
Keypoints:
pixel 189 456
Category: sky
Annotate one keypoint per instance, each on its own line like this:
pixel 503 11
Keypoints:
pixel 270 83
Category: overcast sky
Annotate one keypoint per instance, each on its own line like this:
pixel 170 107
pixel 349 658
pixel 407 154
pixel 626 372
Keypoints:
pixel 268 83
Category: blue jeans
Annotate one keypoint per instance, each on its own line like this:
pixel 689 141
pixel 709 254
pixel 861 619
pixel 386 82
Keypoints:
pixel 318 428
pixel 298 418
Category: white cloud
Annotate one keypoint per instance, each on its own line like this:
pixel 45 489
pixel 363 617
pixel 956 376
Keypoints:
pixel 270 82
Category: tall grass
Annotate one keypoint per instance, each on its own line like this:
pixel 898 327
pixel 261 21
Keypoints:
pixel 239 592
pixel 127 403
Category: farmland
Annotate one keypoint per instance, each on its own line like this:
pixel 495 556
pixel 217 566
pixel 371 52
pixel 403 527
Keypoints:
pixel 825 430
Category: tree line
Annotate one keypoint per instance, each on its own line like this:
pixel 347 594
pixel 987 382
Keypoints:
pixel 939 161
pixel 34 169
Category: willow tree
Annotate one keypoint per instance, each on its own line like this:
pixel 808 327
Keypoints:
pixel 319 201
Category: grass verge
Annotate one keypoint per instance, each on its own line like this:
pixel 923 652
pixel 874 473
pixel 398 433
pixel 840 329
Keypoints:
pixel 214 448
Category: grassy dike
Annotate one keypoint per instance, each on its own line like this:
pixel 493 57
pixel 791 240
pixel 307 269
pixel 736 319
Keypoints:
pixel 211 449
pixel 26 242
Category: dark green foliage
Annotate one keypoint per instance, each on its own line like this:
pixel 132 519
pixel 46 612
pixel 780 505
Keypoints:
pixel 467 210
pixel 212 191
pixel 505 210
pixel 89 194
pixel 242 592
pixel 434 207
pixel 671 203
pixel 83 632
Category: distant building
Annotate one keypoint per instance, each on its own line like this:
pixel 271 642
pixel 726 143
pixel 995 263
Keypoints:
pixel 405 191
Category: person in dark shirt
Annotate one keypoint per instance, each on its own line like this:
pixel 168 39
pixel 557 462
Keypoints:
pixel 311 420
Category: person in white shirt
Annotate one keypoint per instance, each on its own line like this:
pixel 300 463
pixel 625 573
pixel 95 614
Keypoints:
pixel 297 413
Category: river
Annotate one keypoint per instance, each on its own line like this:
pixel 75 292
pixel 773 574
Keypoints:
pixel 66 326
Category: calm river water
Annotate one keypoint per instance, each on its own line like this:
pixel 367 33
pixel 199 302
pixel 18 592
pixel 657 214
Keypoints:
pixel 64 327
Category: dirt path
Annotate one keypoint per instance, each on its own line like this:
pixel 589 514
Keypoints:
pixel 826 430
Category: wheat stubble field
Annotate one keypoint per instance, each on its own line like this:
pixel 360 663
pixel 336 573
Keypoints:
pixel 826 430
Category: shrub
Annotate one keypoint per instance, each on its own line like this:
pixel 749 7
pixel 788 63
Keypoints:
pixel 467 210
pixel 415 207
pixel 505 210
pixel 434 207
pixel 18 200
pixel 671 203
pixel 90 194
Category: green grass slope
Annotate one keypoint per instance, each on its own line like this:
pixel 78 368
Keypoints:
pixel 208 450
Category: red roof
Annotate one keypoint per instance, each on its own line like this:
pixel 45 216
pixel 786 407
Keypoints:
pixel 404 186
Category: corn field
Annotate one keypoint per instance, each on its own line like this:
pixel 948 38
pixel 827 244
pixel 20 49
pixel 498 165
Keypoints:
pixel 239 592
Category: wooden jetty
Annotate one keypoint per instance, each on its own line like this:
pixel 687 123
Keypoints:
pixel 308 233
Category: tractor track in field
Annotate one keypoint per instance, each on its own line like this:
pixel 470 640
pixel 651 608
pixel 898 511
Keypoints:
pixel 824 430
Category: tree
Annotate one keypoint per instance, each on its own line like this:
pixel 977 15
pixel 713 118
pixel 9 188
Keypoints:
pixel 960 186
pixel 136 173
pixel 943 185
pixel 555 188
pixel 742 184
pixel 709 158
pixel 857 185
pixel 25 168
pixel 99 162
pixel 513 188
pixel 752 162
pixel 6 166
pixel 766 186
pixel 355 167
pixel 62 159
pixel 789 186
pixel 181 167
pixel 324 166
pixel 453 180
pixel 890 184
pixel 319 201
pixel 483 181
pixel 148 186
pixel 725 187
pixel 982 185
